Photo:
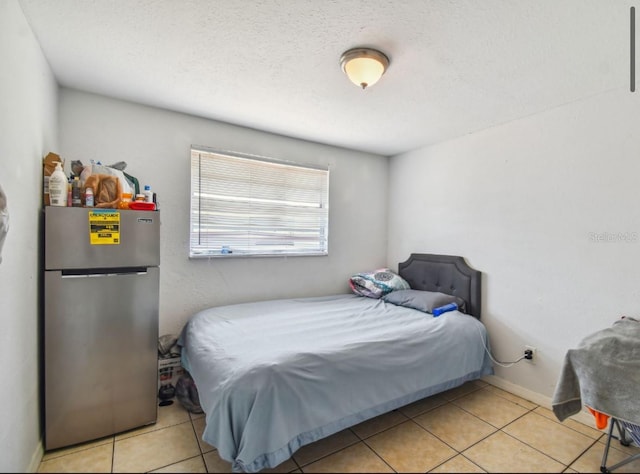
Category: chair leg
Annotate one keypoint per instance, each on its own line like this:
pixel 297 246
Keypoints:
pixel 624 440
pixel 603 465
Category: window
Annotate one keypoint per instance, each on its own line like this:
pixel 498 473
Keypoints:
pixel 243 205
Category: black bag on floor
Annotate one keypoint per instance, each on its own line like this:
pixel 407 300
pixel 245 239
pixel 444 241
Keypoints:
pixel 187 393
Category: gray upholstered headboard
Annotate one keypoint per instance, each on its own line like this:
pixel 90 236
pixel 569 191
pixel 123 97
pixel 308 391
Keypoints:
pixel 444 273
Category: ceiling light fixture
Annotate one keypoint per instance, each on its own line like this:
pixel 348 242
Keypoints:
pixel 364 66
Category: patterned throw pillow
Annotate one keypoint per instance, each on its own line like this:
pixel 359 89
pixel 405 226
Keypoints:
pixel 377 283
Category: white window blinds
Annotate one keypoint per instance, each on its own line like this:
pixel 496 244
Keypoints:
pixel 243 206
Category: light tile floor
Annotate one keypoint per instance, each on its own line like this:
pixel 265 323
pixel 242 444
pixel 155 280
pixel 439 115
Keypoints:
pixel 473 428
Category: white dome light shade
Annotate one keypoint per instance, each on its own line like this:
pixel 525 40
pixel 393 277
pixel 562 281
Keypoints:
pixel 363 66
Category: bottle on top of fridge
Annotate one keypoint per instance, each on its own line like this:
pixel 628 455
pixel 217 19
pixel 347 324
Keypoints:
pixel 76 200
pixel 58 187
pixel 124 201
pixel 88 197
pixel 148 195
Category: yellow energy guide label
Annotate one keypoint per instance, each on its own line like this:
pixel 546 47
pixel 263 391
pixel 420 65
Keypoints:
pixel 104 227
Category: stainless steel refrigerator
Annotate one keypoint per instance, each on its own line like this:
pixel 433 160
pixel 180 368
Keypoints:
pixel 101 291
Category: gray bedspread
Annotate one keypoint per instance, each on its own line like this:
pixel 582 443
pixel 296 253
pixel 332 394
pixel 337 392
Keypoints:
pixel 603 373
pixel 276 375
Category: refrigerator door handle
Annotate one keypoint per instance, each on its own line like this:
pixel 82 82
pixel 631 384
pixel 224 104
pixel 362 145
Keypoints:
pixel 74 274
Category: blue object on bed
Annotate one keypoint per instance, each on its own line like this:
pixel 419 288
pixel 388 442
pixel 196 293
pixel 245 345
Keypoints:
pixel 276 375
pixel 444 309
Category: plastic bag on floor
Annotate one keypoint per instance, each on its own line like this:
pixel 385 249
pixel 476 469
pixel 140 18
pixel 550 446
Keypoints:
pixel 187 394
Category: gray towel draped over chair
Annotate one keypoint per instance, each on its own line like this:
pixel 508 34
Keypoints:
pixel 603 373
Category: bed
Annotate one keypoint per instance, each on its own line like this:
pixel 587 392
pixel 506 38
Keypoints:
pixel 273 376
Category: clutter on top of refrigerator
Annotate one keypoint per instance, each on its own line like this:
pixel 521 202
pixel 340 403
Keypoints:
pixel 109 185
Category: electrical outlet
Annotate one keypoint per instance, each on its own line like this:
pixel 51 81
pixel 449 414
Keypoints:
pixel 529 352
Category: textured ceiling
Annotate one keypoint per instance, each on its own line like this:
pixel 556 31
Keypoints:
pixel 456 66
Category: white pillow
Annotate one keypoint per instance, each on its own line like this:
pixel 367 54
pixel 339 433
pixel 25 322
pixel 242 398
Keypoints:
pixel 425 301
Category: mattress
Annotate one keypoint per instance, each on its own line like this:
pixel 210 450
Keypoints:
pixel 275 375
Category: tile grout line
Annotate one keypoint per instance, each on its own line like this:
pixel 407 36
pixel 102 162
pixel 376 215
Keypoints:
pixel 447 402
pixel 204 462
pixel 595 441
pixel 600 434
pixel 537 450
pixel 497 429
pixel 455 449
pixel 377 454
pixel 471 461
pixel 298 466
pixel 532 411
pixel 529 410
pixel 363 440
pixel 113 453
pixel 452 402
pixel 79 447
pixel 201 455
pixel 328 454
pixel 567 466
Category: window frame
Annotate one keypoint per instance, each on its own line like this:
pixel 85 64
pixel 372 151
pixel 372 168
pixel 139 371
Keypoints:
pixel 217 251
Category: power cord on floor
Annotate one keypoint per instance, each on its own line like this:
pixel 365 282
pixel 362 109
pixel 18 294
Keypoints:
pixel 501 364
pixel 504 364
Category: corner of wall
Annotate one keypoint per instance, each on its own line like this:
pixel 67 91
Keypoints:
pixel 36 458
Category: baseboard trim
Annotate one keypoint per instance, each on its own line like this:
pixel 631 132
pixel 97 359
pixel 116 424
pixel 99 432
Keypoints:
pixel 583 417
pixel 36 458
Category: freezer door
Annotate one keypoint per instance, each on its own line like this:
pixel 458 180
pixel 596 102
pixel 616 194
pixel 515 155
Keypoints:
pixel 100 354
pixel 77 238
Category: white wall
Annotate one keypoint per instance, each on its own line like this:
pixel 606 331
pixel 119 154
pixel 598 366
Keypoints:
pixel 155 144
pixel 28 131
pixel 522 202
